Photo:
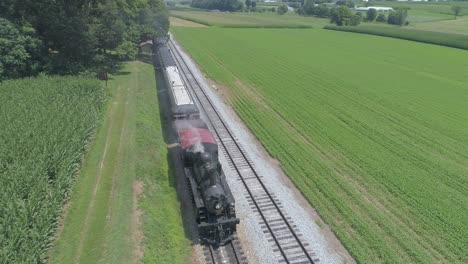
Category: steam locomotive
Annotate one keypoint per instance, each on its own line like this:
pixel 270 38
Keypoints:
pixel 213 200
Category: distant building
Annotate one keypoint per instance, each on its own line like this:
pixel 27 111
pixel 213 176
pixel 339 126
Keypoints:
pixel 378 8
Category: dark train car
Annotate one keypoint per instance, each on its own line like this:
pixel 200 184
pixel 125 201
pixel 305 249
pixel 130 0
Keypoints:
pixel 182 104
pixel 214 203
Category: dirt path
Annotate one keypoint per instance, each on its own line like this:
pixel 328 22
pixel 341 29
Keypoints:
pixel 102 162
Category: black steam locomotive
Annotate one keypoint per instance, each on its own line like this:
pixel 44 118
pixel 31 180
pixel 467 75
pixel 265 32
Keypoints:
pixel 213 200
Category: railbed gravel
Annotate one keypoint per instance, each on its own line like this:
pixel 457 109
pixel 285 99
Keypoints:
pixel 254 242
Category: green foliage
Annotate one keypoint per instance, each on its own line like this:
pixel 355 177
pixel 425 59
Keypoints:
pixel 355 20
pixel 347 3
pixel 340 16
pixel 381 18
pixel 398 17
pixel 47 123
pixel 456 10
pixel 371 14
pixel 127 50
pixel 379 150
pixel 438 38
pixel 309 9
pixel 282 9
pixel 223 5
pixel 19 50
pixel 248 3
pixel 76 31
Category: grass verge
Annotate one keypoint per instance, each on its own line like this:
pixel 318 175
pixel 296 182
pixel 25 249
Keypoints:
pixel 438 38
pixel 123 209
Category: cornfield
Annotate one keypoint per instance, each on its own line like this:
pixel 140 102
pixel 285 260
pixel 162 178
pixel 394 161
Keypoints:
pixel 46 124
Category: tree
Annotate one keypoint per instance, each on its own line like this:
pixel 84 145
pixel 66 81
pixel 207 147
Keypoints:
pixel 282 9
pixel 381 18
pixel 340 15
pixel 371 14
pixel 20 51
pixel 347 3
pixel 456 10
pixel 355 19
pixel 254 4
pixel 398 17
pixel 248 3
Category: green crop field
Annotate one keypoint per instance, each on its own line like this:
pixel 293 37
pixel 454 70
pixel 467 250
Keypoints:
pixel 267 19
pixel 439 38
pixel 372 130
pixel 458 26
pixel 46 125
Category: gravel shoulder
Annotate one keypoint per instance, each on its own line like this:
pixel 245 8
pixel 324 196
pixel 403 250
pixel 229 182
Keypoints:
pixel 254 243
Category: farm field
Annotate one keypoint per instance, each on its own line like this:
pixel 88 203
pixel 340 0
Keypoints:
pixel 459 26
pixel 267 19
pixel 375 138
pixel 123 208
pixel 46 127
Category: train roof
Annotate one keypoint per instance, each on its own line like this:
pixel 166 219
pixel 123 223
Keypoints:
pixel 166 56
pixel 179 90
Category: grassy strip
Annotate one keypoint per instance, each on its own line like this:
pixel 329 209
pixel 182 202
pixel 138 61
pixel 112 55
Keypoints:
pixel 46 124
pixel 164 240
pixel 438 38
pixel 103 223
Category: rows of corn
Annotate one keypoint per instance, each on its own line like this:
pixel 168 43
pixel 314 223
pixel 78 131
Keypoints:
pixel 46 125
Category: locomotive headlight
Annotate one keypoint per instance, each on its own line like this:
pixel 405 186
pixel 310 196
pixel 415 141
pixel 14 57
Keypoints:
pixel 218 206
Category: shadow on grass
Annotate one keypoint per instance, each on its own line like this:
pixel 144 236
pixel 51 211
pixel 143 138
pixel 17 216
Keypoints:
pixel 176 169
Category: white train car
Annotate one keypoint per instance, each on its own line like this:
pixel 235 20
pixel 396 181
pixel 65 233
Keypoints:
pixel 182 103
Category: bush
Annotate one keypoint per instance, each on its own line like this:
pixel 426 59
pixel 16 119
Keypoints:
pixel 282 9
pixel 381 18
pixel 355 20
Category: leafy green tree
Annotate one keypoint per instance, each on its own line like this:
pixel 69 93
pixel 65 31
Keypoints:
pixel 248 3
pixel 340 15
pixel 20 51
pixel 456 10
pixel 371 14
pixel 282 9
pixel 355 19
pixel 381 18
pixel 398 17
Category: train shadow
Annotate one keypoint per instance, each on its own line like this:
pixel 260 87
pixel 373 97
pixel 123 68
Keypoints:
pixel 176 169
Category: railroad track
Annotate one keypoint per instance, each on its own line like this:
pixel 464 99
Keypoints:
pixel 229 253
pixel 283 236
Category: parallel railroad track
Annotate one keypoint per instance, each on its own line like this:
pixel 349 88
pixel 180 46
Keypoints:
pixel 283 236
pixel 229 253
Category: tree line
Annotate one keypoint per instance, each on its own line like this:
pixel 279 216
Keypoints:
pixel 342 14
pixel 222 5
pixel 67 37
